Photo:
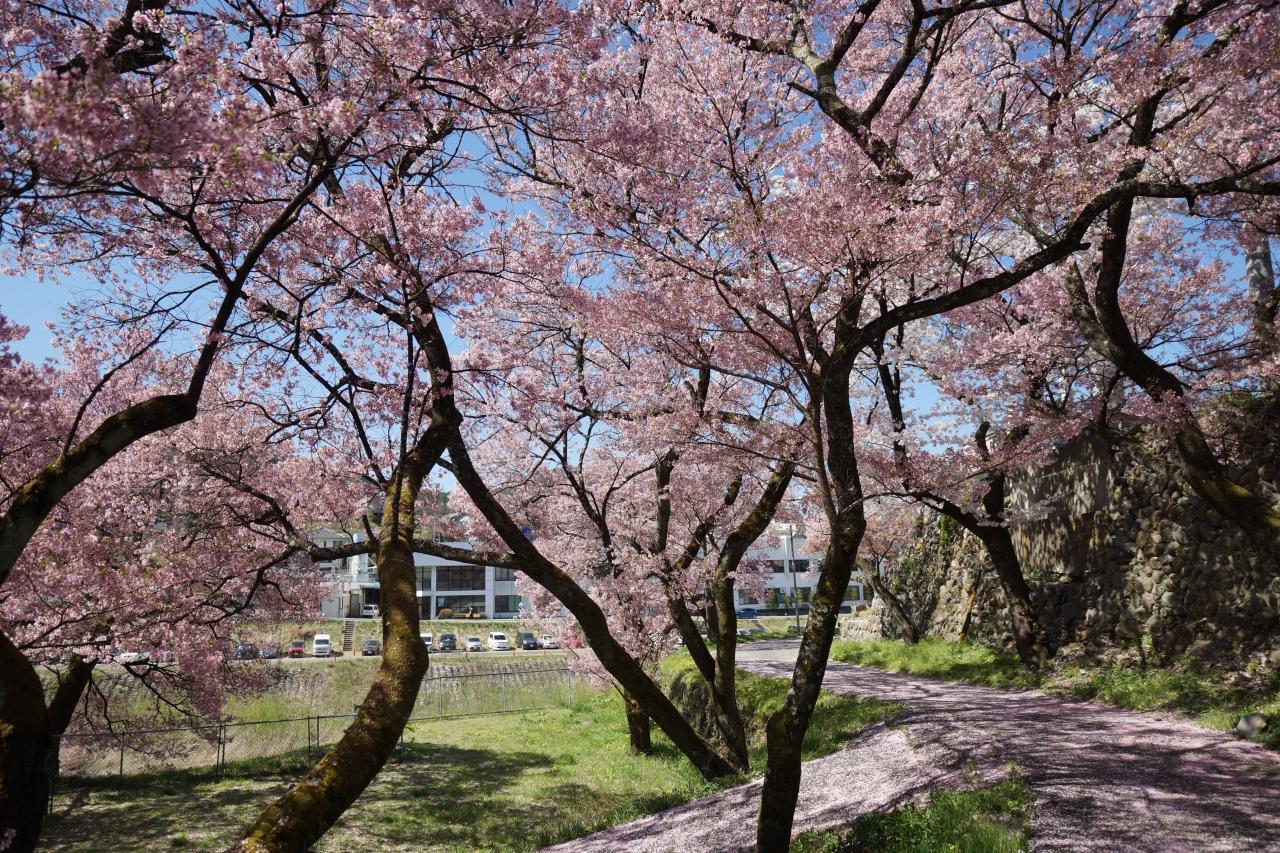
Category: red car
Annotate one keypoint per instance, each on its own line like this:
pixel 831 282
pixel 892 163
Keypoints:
pixel 298 649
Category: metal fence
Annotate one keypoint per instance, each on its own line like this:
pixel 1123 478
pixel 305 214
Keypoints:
pixel 223 749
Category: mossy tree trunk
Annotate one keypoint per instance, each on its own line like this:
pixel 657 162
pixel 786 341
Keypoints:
pixel 302 815
pixel 843 499
pixel 26 736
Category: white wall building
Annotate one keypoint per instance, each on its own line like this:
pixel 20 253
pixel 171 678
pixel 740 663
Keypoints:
pixel 461 588
pixel 794 574
pixel 442 584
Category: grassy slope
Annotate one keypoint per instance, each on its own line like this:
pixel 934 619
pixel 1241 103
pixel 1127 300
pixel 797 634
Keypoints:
pixel 502 782
pixel 983 820
pixel 1215 700
pixel 335 685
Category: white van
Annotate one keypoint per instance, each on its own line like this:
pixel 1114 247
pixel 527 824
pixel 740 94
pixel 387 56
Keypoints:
pixel 320 646
pixel 428 641
pixel 369 611
pixel 498 642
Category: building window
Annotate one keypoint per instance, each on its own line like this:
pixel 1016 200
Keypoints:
pixel 424 578
pixel 504 575
pixel 459 577
pixel 506 604
pixel 460 604
pixel 780 566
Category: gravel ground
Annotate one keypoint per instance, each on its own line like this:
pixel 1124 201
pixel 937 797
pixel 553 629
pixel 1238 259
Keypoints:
pixel 1104 779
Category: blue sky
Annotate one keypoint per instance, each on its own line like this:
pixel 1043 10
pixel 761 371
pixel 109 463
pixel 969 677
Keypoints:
pixel 33 303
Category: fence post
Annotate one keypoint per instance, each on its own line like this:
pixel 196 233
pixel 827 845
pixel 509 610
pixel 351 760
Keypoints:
pixel 569 674
pixel 120 738
pixel 440 701
pixel 502 691
pixel 222 750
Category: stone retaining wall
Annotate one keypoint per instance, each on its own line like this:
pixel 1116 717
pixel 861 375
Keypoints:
pixel 1117 548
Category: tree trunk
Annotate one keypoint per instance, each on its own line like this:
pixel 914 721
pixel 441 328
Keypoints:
pixel 848 523
pixel 639 728
pixel 724 688
pixel 787 726
pixel 25 739
pixel 1028 634
pixel 910 633
pixel 300 817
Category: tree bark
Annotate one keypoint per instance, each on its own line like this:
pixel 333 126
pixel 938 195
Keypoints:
pixel 639 729
pixel 1029 636
pixel 724 686
pixel 787 726
pixel 843 501
pixel 300 817
pixel 26 736
pixel 897 612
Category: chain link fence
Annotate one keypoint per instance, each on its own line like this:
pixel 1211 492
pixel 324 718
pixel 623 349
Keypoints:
pixel 227 748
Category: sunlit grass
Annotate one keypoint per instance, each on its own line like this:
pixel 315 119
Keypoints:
pixel 984 820
pixel 1212 698
pixel 503 782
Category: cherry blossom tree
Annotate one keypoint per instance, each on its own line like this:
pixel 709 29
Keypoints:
pixel 808 180
pixel 633 472
pixel 155 554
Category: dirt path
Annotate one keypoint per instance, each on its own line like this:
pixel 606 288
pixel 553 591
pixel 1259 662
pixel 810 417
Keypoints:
pixel 1104 779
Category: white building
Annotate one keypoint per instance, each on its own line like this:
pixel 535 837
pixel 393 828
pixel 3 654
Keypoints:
pixel 442 584
pixel 794 574
pixel 491 591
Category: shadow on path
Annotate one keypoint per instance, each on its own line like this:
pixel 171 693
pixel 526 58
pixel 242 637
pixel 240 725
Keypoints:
pixel 1104 779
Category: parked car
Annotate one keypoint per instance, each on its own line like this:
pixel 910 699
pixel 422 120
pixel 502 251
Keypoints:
pixel 473 644
pixel 268 651
pixel 528 642
pixel 133 657
pixel 448 643
pixel 321 647
pixel 369 611
pixel 498 642
pixel 245 651
pixel 747 613
pixel 297 649
pixel 370 648
pixel 426 641
pixel 548 642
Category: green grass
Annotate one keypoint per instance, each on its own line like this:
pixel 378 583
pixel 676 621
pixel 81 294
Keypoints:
pixel 1215 699
pixel 968 662
pixel 509 782
pixel 984 820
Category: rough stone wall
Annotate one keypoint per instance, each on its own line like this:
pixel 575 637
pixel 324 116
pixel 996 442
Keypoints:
pixel 1117 547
